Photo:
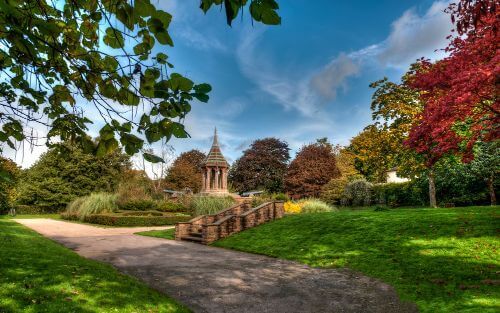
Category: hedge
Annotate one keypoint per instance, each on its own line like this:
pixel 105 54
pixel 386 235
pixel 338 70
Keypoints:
pixel 148 205
pixel 33 209
pixel 124 220
pixel 399 194
pixel 141 213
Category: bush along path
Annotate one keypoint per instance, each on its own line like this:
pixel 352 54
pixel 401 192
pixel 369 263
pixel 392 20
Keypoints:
pixel 209 279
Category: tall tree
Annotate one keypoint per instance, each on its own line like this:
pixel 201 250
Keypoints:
pixel 8 192
pixel 66 64
pixel 333 191
pixel 185 171
pixel 262 166
pixel 374 153
pixel 314 166
pixel 461 91
pixel 59 177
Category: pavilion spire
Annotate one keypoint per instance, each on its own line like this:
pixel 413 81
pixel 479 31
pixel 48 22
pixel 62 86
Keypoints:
pixel 216 139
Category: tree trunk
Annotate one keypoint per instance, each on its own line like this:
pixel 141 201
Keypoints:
pixel 491 188
pixel 432 189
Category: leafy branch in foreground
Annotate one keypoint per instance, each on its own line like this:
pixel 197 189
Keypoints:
pixel 67 64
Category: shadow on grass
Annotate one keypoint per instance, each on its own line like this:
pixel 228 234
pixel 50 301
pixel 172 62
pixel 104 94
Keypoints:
pixel 445 260
pixel 38 275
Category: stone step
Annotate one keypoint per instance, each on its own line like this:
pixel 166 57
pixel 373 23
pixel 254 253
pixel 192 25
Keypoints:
pixel 195 235
pixel 191 238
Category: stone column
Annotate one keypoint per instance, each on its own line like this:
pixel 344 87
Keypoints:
pixel 203 181
pixel 224 179
pixel 216 182
pixel 209 174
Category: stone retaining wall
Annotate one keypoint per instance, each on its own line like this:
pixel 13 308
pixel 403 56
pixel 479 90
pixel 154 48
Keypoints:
pixel 230 221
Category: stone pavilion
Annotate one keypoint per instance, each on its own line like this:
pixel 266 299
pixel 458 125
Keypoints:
pixel 215 170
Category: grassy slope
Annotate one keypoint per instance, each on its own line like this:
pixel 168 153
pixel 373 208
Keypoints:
pixel 39 275
pixel 166 234
pixel 445 260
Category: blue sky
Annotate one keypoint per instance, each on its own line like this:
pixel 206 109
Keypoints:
pixel 305 79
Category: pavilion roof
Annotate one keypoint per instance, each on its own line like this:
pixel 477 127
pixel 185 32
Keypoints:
pixel 215 157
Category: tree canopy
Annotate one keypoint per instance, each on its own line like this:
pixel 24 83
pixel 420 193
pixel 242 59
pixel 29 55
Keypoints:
pixel 262 166
pixel 58 178
pixel 8 192
pixel 68 64
pixel 460 92
pixel 185 171
pixel 313 166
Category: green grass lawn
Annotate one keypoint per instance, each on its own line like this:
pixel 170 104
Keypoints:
pixel 166 234
pixel 39 275
pixel 444 260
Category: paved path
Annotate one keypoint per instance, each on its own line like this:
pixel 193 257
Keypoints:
pixel 209 279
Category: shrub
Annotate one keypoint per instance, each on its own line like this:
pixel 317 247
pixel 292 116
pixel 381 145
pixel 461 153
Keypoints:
pixel 138 205
pixel 95 203
pixel 35 209
pixel 131 221
pixel 291 207
pixel 141 213
pixel 316 206
pixel 357 193
pixel 268 197
pixel 398 194
pixel 380 208
pixel 280 197
pixel 202 205
pixel 170 206
pixel 333 191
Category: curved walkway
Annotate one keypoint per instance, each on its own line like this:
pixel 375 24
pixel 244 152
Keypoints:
pixel 209 279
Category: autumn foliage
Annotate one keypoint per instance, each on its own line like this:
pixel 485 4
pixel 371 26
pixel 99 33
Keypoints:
pixel 314 166
pixel 185 171
pixel 460 92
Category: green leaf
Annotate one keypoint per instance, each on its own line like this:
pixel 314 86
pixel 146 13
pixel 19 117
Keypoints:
pixel 179 82
pixel 179 131
pixel 201 97
pixel 153 133
pixel 144 7
pixel 161 58
pixel 127 97
pixel 152 158
pixel 164 17
pixel 142 48
pixel 271 18
pixel 110 63
pixel 113 38
pixel 106 133
pixel 125 15
pixel 164 38
pixel 203 88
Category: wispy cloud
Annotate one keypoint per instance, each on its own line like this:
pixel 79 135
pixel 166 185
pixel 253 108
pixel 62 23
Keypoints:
pixel 412 36
pixel 285 88
pixel 333 76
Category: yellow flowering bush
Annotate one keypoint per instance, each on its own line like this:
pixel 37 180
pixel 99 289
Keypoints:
pixel 292 208
pixel 308 206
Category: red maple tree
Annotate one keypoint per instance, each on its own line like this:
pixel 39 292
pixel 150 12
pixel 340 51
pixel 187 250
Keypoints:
pixel 460 92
